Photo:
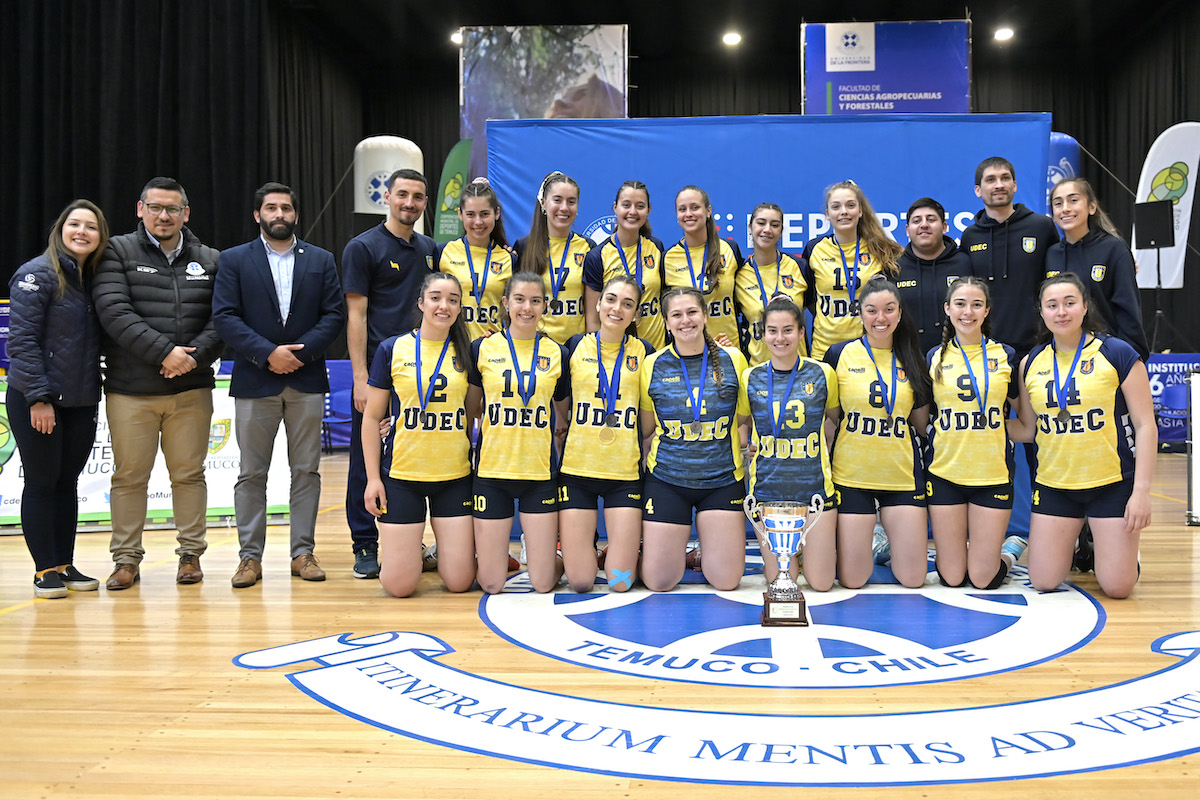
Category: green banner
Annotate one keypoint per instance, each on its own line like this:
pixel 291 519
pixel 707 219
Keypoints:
pixel 454 176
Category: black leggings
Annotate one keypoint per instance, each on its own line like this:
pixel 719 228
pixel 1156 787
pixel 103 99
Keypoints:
pixel 51 463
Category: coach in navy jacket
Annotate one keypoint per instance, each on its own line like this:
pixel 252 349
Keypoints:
pixel 277 305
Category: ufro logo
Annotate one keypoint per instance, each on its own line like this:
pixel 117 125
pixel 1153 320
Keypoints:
pixel 1170 183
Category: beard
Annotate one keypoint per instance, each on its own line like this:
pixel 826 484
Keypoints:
pixel 279 230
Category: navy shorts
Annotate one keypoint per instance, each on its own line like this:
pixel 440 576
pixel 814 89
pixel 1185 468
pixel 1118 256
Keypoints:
pixel 941 492
pixel 862 501
pixel 494 497
pixel 584 493
pixel 1103 502
pixel 666 502
pixel 406 500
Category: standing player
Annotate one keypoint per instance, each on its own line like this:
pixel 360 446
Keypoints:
pixel 884 392
pixel 793 407
pixel 840 264
pixel 768 274
pixel 969 484
pixel 522 388
pixel 1086 406
pixel 480 259
pixel 631 250
pixel 930 263
pixel 704 261
pixel 604 446
pixel 555 252
pixel 382 273
pixel 422 374
pixel 693 411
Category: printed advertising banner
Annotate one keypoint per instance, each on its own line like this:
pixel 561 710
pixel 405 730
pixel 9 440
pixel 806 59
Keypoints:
pixel 887 67
pixel 787 160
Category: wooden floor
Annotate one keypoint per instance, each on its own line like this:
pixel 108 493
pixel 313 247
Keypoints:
pixel 134 694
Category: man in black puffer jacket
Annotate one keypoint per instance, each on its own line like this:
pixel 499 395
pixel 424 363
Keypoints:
pixel 153 294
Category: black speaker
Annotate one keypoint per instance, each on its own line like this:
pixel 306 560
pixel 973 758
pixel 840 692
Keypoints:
pixel 1154 224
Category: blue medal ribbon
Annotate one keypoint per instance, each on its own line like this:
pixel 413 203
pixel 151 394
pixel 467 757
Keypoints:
pixel 625 262
pixel 613 390
pixel 477 289
pixel 687 251
pixel 981 399
pixel 1061 393
pixel 762 287
pixel 776 421
pixel 424 393
pixel 694 399
pixel 851 278
pixel 889 397
pixel 512 351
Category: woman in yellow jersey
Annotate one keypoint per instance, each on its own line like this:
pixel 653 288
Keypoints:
pixel 555 252
pixel 604 447
pixel 883 388
pixel 704 261
pixel 422 376
pixel 840 264
pixel 969 486
pixel 631 250
pixel 480 259
pixel 520 392
pixel 767 274
pixel 1086 406
pixel 793 408
pixel 694 413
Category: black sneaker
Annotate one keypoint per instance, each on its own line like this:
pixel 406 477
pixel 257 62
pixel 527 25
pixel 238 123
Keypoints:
pixel 76 581
pixel 366 564
pixel 49 586
pixel 1085 554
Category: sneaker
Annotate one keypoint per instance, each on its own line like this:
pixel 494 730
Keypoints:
pixel 189 569
pixel 1085 555
pixel 691 559
pixel 49 586
pixel 123 576
pixel 429 558
pixel 248 573
pixel 304 567
pixel 366 563
pixel 881 548
pixel 76 581
pixel 1014 546
pixel 523 558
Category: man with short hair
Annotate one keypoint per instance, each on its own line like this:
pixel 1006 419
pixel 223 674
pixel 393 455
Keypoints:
pixel 153 295
pixel 1007 246
pixel 382 272
pixel 929 264
pixel 278 306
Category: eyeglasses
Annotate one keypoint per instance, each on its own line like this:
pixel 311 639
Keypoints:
pixel 156 210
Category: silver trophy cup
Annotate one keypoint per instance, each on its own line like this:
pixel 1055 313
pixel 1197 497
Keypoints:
pixel 782 526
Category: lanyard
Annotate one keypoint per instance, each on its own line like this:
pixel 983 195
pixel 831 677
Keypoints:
pixel 694 398
pixel 687 251
pixel 609 391
pixel 979 398
pixel 762 287
pixel 560 277
pixel 477 288
pixel 426 392
pixel 1061 392
pixel 776 421
pixel 525 392
pixel 889 398
pixel 625 263
pixel 851 277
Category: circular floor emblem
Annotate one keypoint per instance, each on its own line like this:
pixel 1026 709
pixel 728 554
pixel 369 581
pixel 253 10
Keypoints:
pixel 883 635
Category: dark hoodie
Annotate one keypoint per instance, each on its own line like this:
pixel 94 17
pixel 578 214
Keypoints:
pixel 1011 257
pixel 922 285
pixel 1105 265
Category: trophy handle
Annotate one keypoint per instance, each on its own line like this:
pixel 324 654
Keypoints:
pixel 816 507
pixel 750 506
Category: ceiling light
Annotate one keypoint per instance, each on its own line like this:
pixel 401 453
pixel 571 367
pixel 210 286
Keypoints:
pixel 732 38
pixel 1004 34
pixel 456 37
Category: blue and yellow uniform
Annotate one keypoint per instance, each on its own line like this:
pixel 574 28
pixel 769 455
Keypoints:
pixel 483 273
pixel 586 454
pixel 565 315
pixel 755 285
pixel 712 457
pixel 835 275
pixel 719 299
pixel 970 445
pixel 644 263
pixel 876 450
pixel 793 462
pixel 1094 446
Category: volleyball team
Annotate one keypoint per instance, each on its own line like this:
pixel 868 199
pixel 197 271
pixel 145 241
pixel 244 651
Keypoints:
pixel 663 384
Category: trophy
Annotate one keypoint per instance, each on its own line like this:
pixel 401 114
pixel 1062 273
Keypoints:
pixel 783 526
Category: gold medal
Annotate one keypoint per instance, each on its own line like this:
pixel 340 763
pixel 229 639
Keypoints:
pixel 607 435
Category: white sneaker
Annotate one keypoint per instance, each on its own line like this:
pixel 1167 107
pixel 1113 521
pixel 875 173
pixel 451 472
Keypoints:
pixel 429 558
pixel 881 548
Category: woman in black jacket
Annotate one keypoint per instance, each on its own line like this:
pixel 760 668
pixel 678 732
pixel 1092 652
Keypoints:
pixel 54 390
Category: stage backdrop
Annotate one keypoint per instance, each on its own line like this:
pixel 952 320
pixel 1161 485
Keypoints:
pixel 788 160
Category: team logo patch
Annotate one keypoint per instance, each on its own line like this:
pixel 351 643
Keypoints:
pixel 456 363
pixel 900 375
pixel 28 283
pixel 579 259
pixel 194 268
pixel 810 388
pixel 543 363
pixel 1029 244
pixel 1098 272
pixel 428 262
pixel 787 281
pixel 1086 367
pixel 218 435
pixel 631 363
pixel 993 364
pixel 496 267
pixel 864 259
pixel 648 261
pixel 951 279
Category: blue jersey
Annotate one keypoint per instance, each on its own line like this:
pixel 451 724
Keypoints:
pixel 388 271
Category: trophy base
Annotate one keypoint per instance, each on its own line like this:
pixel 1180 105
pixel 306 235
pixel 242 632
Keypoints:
pixel 784 612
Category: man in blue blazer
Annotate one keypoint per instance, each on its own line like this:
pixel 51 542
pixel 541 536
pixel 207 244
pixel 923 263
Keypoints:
pixel 277 304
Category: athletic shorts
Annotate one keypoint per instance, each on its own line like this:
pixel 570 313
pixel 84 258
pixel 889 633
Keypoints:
pixel 494 497
pixel 941 492
pixel 666 502
pixel 1103 502
pixel 862 501
pixel 406 500
pixel 584 493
